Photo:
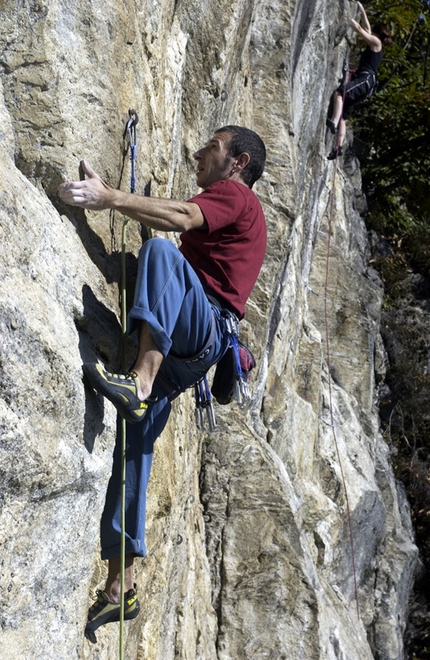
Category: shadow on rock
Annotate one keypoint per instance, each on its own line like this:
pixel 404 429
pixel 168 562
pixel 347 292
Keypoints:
pixel 99 339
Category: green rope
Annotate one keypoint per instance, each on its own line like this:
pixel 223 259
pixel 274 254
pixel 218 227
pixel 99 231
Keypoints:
pixel 124 442
pixel 131 133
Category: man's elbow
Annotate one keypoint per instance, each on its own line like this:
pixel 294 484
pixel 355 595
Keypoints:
pixel 192 218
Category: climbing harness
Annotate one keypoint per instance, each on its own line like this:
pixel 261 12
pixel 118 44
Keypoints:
pixel 332 424
pixel 230 379
pixel 131 132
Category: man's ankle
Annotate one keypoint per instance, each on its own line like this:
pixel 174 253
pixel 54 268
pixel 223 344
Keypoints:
pixel 113 593
pixel 143 391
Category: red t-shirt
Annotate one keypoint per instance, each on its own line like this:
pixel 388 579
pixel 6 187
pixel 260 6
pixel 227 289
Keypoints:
pixel 228 253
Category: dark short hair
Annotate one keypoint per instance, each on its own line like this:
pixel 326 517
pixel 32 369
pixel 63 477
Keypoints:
pixel 383 31
pixel 245 140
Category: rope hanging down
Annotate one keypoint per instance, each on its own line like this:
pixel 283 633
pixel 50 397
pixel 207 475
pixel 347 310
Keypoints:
pixel 131 132
pixel 346 73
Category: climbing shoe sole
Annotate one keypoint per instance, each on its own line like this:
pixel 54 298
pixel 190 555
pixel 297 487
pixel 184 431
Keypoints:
pixel 120 389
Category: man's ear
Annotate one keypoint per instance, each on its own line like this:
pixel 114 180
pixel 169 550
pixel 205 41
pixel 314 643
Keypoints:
pixel 242 160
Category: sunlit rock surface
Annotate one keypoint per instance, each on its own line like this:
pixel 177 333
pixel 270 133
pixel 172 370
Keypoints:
pixel 283 535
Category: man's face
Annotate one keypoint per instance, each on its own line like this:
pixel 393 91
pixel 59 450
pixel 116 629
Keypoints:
pixel 213 164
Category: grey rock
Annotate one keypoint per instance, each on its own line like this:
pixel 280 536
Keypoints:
pixel 250 551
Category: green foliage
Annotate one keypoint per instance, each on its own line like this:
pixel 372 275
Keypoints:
pixel 395 122
pixel 393 271
pixel 393 128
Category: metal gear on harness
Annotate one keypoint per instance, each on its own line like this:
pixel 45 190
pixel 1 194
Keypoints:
pixel 230 379
pixel 241 386
pixel 205 413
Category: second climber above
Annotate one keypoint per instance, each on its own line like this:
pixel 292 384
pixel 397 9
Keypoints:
pixel 362 82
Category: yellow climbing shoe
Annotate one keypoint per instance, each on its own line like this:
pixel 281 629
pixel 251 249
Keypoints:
pixel 104 611
pixel 120 389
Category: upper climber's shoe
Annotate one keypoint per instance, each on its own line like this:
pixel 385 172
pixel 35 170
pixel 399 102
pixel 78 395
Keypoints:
pixel 331 125
pixel 104 611
pixel 120 390
pixel 334 153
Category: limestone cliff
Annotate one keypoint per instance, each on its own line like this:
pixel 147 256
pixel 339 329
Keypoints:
pixel 248 530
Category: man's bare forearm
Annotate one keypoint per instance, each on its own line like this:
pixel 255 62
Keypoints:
pixel 158 213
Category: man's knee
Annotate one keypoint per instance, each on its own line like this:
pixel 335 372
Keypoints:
pixel 158 256
pixel 159 246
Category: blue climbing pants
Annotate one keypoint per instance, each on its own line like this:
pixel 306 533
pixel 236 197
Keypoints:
pixel 191 334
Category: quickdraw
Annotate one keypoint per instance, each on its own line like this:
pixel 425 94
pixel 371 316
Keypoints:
pixel 205 413
pixel 131 132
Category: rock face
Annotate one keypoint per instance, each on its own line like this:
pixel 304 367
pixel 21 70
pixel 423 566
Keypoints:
pixel 282 535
